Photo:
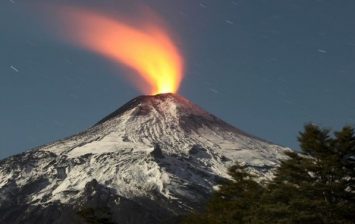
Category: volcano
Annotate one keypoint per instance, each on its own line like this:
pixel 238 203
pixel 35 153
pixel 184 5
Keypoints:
pixel 154 159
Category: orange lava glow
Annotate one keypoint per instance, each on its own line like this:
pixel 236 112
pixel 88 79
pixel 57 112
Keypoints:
pixel 148 49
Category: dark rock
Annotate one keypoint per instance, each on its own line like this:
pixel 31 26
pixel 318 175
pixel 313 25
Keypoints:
pixel 157 152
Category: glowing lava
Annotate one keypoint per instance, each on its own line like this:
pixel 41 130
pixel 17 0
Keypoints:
pixel 148 49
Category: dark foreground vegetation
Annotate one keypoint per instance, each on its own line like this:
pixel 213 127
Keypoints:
pixel 314 186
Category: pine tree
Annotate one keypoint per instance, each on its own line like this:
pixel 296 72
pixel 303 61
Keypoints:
pixel 314 186
pixel 233 202
pixel 96 215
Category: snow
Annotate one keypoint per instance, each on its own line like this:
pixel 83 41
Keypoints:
pixel 196 148
pixel 109 144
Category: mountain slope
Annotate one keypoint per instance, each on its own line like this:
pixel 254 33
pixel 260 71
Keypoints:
pixel 153 159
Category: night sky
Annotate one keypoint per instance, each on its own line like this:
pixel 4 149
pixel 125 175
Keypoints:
pixel 266 66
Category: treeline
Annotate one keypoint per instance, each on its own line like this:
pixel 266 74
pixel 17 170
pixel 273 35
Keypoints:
pixel 314 186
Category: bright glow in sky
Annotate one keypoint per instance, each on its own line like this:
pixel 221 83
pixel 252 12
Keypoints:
pixel 148 49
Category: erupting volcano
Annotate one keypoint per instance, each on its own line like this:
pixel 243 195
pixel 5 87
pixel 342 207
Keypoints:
pixel 147 48
pixel 154 159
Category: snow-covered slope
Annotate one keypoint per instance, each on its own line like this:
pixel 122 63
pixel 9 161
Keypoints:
pixel 154 158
